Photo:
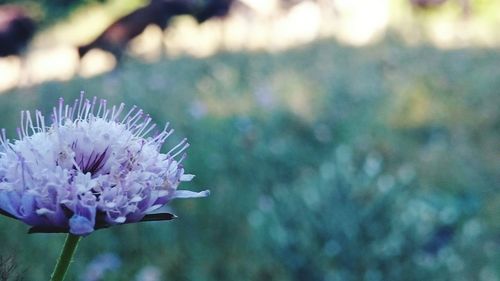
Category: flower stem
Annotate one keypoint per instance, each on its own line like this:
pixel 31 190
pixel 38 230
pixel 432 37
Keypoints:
pixel 65 257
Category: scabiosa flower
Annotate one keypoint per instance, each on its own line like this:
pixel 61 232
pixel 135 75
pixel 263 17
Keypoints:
pixel 91 168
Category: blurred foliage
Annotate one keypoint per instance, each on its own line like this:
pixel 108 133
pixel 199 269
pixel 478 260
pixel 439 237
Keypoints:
pixel 325 163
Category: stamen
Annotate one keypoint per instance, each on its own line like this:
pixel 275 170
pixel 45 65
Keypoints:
pixel 73 109
pixel 117 113
pixel 54 116
pixel 102 105
pixel 87 107
pixel 61 104
pixel 22 122
pixel 80 104
pixel 165 135
pixel 135 119
pixel 37 120
pixel 106 113
pixel 161 137
pixel 148 130
pixel 184 155
pixel 29 122
pixel 94 100
pixel 40 120
pixel 181 150
pixel 182 143
pixel 4 140
pixel 66 111
pixel 128 114
pixel 143 125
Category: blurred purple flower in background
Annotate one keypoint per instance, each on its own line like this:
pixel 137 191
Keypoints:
pixel 90 168
pixel 99 266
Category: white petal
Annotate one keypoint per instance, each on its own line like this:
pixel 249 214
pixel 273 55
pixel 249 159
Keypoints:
pixel 120 219
pixel 43 211
pixel 152 208
pixel 135 199
pixel 190 194
pixel 187 177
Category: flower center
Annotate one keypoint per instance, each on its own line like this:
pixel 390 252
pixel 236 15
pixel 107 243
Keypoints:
pixel 92 163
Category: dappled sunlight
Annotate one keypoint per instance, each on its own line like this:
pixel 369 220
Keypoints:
pixel 449 26
pixel 96 62
pixel 10 72
pixel 57 63
pixel 149 45
pixel 291 28
pixel 188 38
pixel 362 21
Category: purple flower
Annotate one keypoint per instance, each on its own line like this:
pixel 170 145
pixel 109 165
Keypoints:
pixel 91 168
pixel 99 266
pixel 149 273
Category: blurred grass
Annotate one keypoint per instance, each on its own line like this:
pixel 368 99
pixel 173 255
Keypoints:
pixel 325 162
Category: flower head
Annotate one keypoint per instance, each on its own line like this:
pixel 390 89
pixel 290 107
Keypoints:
pixel 92 167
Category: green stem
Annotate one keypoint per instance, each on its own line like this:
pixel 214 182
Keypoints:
pixel 65 257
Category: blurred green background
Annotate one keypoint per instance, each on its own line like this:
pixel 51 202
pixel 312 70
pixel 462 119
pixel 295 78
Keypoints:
pixel 325 162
